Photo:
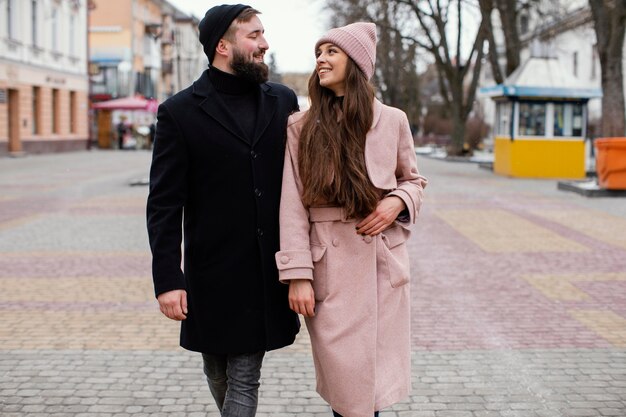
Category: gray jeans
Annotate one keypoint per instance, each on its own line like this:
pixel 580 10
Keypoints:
pixel 234 382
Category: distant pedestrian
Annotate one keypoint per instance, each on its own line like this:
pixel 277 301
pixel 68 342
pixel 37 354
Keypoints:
pixel 151 134
pixel 122 131
pixel 350 189
pixel 216 170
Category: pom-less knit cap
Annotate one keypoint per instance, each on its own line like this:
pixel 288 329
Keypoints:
pixel 358 41
pixel 215 23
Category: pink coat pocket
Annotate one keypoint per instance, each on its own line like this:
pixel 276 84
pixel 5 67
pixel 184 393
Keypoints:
pixel 393 257
pixel 320 273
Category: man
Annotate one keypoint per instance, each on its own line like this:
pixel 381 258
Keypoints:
pixel 121 132
pixel 218 157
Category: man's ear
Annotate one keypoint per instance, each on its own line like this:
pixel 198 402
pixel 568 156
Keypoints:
pixel 222 48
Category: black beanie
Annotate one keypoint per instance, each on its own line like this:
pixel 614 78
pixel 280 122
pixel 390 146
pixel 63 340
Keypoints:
pixel 215 23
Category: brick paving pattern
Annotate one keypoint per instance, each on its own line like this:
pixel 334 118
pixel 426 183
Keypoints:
pixel 518 291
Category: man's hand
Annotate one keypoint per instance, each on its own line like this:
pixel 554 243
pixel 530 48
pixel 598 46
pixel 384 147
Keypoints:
pixel 174 304
pixel 385 213
pixel 301 297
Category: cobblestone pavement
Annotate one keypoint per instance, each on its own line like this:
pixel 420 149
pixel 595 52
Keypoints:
pixel 519 301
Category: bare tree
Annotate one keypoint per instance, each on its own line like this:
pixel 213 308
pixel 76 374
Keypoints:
pixel 457 76
pixel 425 24
pixel 275 75
pixel 509 11
pixel 396 75
pixel 609 17
pixel 486 9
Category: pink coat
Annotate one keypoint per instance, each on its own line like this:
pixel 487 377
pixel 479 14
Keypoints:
pixel 360 334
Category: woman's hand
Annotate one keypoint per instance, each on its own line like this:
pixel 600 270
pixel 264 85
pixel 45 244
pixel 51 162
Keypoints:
pixel 301 297
pixel 385 213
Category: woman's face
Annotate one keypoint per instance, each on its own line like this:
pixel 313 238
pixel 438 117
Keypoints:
pixel 331 67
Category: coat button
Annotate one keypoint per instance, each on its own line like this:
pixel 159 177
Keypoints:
pixel 367 239
pixel 335 242
pixel 253 154
pixel 284 259
pixel 258 192
pixel 259 232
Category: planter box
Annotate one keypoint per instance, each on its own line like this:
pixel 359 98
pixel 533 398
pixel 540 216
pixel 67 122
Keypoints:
pixel 611 163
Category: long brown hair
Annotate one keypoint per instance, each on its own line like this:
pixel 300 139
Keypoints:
pixel 331 152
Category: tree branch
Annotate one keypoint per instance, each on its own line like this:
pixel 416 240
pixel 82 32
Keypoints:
pixel 458 35
pixel 471 93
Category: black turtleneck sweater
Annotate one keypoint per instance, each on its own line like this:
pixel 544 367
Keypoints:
pixel 240 97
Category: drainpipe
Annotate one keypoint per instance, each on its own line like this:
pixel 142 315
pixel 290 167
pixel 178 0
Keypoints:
pixel 132 81
pixel 88 59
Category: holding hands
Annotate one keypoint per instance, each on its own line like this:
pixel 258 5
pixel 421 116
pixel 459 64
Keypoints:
pixel 301 294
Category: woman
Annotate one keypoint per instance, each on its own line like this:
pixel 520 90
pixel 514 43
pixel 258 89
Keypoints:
pixel 350 186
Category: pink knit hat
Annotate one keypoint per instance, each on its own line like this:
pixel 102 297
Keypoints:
pixel 358 41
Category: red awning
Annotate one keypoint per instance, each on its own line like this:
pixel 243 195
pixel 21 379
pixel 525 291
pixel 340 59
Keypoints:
pixel 128 103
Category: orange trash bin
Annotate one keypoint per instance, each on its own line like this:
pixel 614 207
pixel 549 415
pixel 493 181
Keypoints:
pixel 611 162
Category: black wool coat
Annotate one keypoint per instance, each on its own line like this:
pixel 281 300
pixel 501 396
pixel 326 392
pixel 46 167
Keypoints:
pixel 225 190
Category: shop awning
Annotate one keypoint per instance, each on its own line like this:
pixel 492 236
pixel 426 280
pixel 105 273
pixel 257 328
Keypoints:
pixel 128 103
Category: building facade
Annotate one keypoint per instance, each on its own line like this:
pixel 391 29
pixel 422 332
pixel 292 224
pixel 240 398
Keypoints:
pixel 188 58
pixel 141 47
pixel 124 48
pixel 43 76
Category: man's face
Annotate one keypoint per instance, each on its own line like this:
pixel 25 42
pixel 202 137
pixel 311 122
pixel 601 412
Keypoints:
pixel 248 51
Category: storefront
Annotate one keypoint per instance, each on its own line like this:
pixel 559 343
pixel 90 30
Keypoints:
pixel 41 110
pixel 541 122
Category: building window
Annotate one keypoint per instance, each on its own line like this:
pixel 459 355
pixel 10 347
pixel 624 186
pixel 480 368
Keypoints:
pixel 594 61
pixel 73 112
pixel 523 24
pixel 72 35
pixel 33 21
pixel 36 110
pixel 532 119
pixel 55 32
pixel 106 81
pixel 10 10
pixel 575 63
pixel 55 111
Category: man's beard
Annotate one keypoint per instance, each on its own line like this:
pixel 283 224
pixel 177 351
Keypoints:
pixel 256 72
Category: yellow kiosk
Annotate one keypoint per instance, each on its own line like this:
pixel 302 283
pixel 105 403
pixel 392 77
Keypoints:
pixel 541 121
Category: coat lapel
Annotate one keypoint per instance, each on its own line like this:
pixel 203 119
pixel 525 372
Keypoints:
pixel 214 106
pixel 266 108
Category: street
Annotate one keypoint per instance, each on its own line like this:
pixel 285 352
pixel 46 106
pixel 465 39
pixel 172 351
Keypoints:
pixel 518 300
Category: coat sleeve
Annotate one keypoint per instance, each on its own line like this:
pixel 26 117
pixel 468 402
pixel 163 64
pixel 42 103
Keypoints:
pixel 410 183
pixel 167 196
pixel 294 260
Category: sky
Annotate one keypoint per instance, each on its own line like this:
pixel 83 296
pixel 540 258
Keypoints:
pixel 291 27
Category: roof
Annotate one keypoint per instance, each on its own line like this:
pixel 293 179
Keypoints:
pixel 542 77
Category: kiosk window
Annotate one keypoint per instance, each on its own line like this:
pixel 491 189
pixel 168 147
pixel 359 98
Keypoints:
pixel 532 119
pixel 503 114
pixel 577 119
pixel 568 119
